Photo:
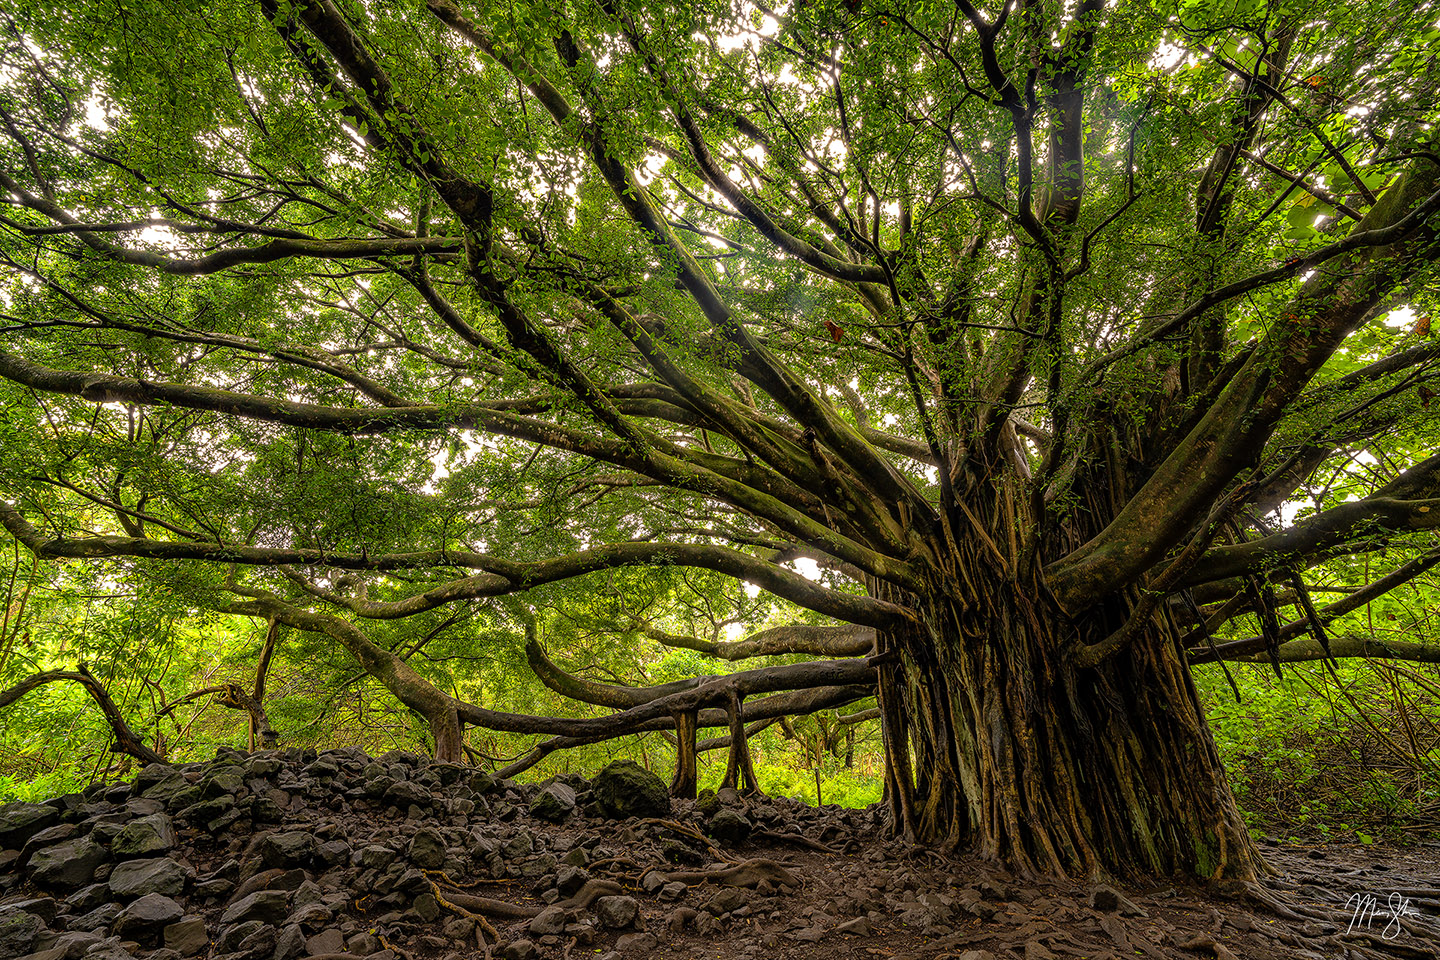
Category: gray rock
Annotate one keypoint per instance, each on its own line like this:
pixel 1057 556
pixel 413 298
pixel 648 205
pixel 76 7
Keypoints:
pixel 151 774
pixel 174 791
pixel 135 878
pixel 313 916
pixel 18 932
pixel 727 900
pixel 333 852
pixel 72 944
pixel 328 941
pixel 98 919
pixel 427 849
pixel 208 811
pixel 570 878
pixel 21 821
pixel 48 838
pixel 109 949
pixel 729 826
pixel 637 944
pixel 548 922
pixel 376 857
pixel 617 913
pixel 88 898
pixel 267 906
pixel 187 936
pixel 67 865
pixel 626 789
pixel 296 848
pixel 149 836
pixel 679 917
pixel 363 944
pixel 147 917
pixel 43 907
pixel 427 907
pixel 458 928
pixel 233 936
pixel 403 793
pixel 554 803
pixel 520 950
pixel 290 944
pixel 1110 900
pixel 483 782
pixel 222 781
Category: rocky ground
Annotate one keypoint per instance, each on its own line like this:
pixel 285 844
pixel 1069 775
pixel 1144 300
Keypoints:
pixel 285 855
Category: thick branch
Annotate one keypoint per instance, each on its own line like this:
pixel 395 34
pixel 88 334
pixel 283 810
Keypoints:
pixel 817 641
pixel 1410 502
pixel 127 741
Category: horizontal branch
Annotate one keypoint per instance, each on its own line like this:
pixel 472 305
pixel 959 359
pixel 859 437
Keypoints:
pixel 127 741
pixel 1399 576
pixel 807 639
pixel 268 252
pixel 712 692
pixel 1308 648
pixel 700 474
pixel 766 710
pixel 1390 508
pixel 501 577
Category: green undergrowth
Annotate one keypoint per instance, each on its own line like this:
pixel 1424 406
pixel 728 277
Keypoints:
pixel 1344 753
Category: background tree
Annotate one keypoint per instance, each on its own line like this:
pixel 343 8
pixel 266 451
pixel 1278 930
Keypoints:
pixel 1027 327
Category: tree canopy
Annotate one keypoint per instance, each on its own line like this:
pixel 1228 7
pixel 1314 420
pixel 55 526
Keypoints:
pixel 1022 348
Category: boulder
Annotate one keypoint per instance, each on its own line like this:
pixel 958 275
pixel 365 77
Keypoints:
pixel 43 907
pixel 548 922
pixel 18 932
pixel 626 789
pixel 99 918
pixel 327 941
pixel 729 826
pixel 152 774
pixel 427 849
pixel 617 913
pixel 21 821
pixel 67 865
pixel 520 950
pixel 148 836
pixel 135 878
pixel 48 838
pixel 554 802
pixel 187 937
pixel 268 906
pixel 147 917
pixel 297 848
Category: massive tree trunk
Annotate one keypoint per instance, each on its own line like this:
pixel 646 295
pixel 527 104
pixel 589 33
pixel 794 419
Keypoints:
pixel 1051 767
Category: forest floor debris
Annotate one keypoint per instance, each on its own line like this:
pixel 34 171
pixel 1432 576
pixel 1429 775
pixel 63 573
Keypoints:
pixel 290 855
